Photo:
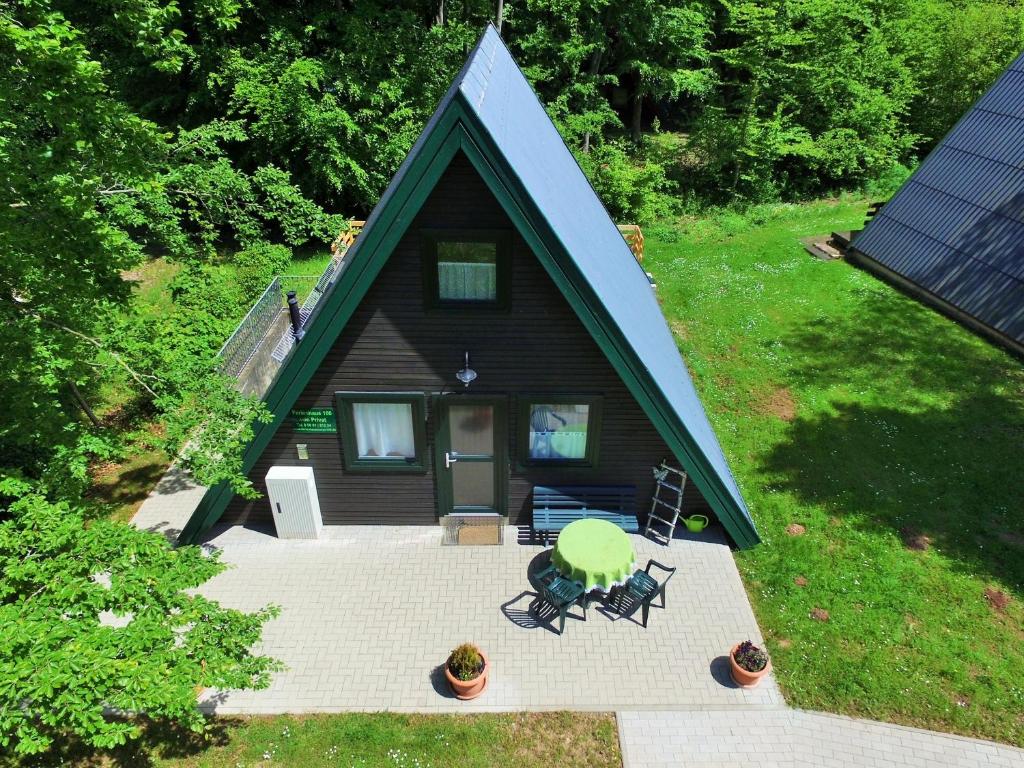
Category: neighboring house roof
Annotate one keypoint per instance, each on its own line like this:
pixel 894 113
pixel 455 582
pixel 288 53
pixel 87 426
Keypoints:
pixel 491 114
pixel 956 228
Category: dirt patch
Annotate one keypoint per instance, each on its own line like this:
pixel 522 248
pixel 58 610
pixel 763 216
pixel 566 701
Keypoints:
pixel 795 529
pixel 819 614
pixel 961 701
pixel 680 329
pixel 725 382
pixel 784 643
pixel 779 403
pixel 914 539
pixel 997 599
pixel 801 581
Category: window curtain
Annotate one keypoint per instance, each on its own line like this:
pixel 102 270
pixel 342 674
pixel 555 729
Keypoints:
pixel 384 429
pixel 466 281
pixel 558 431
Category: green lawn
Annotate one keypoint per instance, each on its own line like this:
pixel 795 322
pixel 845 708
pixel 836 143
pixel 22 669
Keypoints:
pixel 894 437
pixel 513 740
pixel 312 261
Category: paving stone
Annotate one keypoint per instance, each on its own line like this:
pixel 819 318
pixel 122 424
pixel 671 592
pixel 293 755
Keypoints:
pixel 363 596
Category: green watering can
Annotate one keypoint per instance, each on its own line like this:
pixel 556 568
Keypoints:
pixel 696 523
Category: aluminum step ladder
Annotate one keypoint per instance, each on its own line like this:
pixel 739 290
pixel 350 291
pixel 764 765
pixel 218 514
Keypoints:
pixel 665 510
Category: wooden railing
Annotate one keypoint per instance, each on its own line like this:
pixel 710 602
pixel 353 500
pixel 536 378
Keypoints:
pixel 634 239
pixel 344 241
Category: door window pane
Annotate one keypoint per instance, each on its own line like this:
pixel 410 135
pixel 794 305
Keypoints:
pixel 473 484
pixel 558 431
pixel 467 271
pixel 472 429
pixel 384 430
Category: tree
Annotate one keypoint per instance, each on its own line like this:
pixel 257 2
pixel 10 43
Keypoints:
pixel 662 50
pixel 794 116
pixel 955 52
pixel 90 190
pixel 101 623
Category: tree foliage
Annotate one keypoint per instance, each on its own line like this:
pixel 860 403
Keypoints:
pixel 101 618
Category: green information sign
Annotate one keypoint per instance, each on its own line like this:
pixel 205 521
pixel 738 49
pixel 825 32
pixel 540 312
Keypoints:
pixel 314 420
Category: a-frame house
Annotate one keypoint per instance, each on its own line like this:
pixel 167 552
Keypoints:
pixel 488 243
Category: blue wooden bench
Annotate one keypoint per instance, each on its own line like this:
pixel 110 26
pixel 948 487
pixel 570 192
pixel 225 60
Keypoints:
pixel 555 508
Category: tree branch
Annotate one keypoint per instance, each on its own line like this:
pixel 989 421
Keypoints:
pixel 99 345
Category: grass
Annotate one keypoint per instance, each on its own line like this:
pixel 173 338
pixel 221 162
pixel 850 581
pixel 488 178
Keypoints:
pixel 121 487
pixel 385 740
pixel 312 262
pixel 893 436
pixel 150 280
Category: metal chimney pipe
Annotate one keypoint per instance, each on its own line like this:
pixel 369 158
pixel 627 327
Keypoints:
pixel 296 317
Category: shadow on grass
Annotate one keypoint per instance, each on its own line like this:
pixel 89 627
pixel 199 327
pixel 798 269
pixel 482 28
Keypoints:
pixel 923 433
pixel 158 741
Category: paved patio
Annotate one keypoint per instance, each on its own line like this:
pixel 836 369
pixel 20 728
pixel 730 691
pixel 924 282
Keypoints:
pixel 369 613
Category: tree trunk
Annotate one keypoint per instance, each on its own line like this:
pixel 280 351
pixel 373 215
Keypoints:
pixel 635 122
pixel 82 404
pixel 439 16
pixel 755 92
pixel 593 67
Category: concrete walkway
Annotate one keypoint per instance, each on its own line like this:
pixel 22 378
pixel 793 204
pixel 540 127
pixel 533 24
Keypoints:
pixel 789 738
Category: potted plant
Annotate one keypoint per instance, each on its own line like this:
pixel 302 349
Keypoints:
pixel 748 664
pixel 466 670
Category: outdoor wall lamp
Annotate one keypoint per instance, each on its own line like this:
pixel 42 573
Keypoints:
pixel 467 374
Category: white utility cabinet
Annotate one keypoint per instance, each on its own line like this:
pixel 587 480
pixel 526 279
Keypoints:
pixel 294 503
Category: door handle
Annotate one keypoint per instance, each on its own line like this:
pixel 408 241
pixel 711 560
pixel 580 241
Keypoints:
pixel 449 459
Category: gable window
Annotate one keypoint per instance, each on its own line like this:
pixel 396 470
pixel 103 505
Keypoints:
pixel 466 268
pixel 381 431
pixel 559 430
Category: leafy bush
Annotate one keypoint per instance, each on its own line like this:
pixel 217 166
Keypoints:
pixel 466 662
pixel 885 185
pixel 751 658
pixel 203 414
pixel 633 188
pixel 258 264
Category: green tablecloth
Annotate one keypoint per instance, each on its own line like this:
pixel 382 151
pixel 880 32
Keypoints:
pixel 596 553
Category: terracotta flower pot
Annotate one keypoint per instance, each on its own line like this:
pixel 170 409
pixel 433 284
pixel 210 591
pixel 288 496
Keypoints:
pixel 469 689
pixel 742 677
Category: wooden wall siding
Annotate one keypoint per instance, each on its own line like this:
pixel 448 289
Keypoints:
pixel 393 344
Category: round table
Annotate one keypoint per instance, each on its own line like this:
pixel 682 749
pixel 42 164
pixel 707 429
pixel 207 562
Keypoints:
pixel 595 553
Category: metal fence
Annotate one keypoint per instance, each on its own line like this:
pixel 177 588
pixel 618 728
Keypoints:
pixel 240 347
pixel 330 274
pixel 242 344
